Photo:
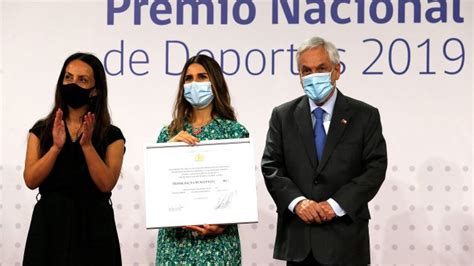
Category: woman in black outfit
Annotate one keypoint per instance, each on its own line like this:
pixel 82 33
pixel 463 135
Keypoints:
pixel 74 156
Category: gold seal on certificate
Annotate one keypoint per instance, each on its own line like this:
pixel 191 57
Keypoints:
pixel 212 182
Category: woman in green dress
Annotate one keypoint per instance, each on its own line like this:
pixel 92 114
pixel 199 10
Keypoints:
pixel 202 111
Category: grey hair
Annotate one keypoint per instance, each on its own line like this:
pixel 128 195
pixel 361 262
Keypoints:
pixel 316 42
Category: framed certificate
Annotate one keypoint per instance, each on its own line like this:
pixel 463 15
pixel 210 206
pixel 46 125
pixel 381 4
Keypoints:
pixel 212 182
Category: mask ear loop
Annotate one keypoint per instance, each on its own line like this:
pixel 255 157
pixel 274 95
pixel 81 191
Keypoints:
pixel 93 96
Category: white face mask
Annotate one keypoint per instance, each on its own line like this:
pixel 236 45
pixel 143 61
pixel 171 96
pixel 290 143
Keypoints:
pixel 317 86
pixel 198 94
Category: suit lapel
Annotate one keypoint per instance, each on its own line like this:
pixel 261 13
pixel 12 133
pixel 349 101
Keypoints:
pixel 302 117
pixel 339 121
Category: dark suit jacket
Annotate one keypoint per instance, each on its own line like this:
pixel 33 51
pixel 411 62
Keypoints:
pixel 351 172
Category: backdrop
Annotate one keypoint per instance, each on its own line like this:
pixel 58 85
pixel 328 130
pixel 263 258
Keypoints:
pixel 412 59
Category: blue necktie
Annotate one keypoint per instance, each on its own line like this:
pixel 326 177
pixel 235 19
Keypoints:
pixel 319 133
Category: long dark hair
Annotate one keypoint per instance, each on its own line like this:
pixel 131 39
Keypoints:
pixel 220 105
pixel 99 107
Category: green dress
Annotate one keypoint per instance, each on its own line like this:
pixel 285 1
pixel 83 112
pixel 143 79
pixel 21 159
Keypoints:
pixel 177 246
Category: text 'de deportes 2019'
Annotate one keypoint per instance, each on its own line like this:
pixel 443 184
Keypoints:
pixel 397 56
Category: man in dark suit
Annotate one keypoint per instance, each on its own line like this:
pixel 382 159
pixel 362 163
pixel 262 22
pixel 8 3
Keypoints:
pixel 325 158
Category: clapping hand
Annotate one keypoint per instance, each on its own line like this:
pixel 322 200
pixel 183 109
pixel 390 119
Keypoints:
pixel 59 130
pixel 88 129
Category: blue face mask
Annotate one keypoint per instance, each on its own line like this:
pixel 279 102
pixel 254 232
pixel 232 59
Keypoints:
pixel 198 94
pixel 317 86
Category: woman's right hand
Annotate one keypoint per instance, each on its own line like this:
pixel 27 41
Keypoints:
pixel 184 136
pixel 59 130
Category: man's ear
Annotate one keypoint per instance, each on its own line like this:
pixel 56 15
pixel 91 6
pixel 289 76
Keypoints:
pixel 337 72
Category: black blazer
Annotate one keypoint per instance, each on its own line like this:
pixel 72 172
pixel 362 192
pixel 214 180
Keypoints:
pixel 351 172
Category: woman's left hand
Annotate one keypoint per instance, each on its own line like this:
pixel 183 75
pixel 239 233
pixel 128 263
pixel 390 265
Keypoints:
pixel 88 129
pixel 206 229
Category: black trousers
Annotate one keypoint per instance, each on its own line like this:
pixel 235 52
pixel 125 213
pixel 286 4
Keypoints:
pixel 309 261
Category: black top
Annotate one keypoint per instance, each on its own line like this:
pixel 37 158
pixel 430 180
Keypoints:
pixel 70 175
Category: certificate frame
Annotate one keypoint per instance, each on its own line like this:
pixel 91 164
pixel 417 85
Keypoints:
pixel 212 182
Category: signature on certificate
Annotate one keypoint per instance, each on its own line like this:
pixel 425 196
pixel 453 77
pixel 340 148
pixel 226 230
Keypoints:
pixel 225 200
pixel 175 208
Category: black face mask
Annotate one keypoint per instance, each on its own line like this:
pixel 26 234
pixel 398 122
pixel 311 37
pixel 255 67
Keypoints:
pixel 75 96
